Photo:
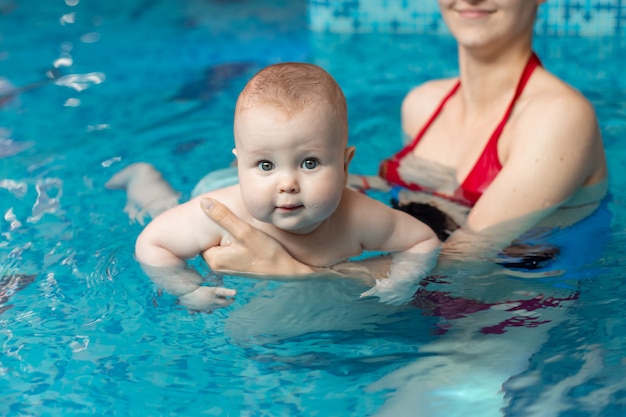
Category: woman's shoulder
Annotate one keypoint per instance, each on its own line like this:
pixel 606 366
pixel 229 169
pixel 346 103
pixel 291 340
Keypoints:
pixel 554 121
pixel 434 90
pixel 550 93
pixel 421 102
pixel 551 107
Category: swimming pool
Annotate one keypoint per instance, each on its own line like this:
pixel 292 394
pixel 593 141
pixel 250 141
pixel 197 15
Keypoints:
pixel 84 332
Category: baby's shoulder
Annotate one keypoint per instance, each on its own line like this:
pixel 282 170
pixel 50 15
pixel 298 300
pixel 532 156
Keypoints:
pixel 228 196
pixel 358 208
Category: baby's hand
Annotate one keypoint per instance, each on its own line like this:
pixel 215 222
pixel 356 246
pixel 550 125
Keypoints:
pixel 208 298
pixel 406 272
pixel 392 292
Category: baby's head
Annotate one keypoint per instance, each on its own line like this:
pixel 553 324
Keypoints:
pixel 291 134
pixel 294 87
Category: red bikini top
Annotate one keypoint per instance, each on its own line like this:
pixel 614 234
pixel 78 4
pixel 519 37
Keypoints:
pixel 488 164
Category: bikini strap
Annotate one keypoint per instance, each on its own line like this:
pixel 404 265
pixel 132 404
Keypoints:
pixel 488 164
pixel 430 121
pixel 533 62
pixel 388 167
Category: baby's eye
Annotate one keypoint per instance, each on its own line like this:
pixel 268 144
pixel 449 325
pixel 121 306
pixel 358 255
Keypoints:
pixel 310 163
pixel 265 165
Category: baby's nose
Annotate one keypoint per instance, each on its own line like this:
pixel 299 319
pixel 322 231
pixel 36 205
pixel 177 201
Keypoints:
pixel 288 184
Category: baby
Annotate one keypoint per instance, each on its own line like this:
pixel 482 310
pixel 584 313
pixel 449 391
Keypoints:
pixel 291 135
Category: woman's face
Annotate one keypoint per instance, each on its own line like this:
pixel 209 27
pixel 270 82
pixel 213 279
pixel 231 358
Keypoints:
pixel 488 23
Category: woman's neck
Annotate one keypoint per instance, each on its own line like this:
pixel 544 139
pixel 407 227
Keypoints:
pixel 487 80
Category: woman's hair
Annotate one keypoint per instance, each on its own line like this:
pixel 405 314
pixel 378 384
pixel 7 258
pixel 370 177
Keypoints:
pixel 292 87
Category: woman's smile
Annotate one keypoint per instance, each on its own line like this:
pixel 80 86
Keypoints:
pixel 474 13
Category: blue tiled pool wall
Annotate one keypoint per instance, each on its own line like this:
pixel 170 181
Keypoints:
pixel 556 17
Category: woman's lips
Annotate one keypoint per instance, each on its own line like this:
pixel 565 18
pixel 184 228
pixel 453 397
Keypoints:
pixel 474 13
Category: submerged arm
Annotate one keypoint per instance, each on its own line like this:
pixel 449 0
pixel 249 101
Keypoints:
pixel 165 244
pixel 413 248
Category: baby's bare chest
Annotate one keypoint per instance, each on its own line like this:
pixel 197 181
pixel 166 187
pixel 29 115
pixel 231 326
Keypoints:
pixel 321 249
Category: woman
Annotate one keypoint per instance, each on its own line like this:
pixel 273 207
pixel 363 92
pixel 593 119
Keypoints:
pixel 505 148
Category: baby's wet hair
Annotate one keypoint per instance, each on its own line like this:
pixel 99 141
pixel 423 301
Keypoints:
pixel 292 87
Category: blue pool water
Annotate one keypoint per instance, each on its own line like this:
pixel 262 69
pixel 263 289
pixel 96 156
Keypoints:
pixel 84 332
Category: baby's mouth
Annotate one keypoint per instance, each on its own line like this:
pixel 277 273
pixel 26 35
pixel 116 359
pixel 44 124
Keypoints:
pixel 290 207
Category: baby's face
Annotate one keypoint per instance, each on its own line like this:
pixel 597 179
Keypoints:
pixel 292 169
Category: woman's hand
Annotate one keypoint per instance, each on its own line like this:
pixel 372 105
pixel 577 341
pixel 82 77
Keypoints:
pixel 252 252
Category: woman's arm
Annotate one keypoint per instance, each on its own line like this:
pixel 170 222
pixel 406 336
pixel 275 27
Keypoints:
pixel 253 253
pixel 556 149
pixel 393 278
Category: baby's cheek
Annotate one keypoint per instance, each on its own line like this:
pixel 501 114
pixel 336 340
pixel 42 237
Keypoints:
pixel 258 205
pixel 325 203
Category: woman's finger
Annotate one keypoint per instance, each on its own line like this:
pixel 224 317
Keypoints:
pixel 251 251
pixel 221 215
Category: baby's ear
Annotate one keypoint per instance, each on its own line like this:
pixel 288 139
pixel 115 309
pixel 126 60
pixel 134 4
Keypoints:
pixel 235 152
pixel 348 155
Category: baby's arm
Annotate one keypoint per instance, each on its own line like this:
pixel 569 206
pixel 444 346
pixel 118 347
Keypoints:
pixel 162 248
pixel 413 245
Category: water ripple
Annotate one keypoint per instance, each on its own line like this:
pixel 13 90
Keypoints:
pixel 80 82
